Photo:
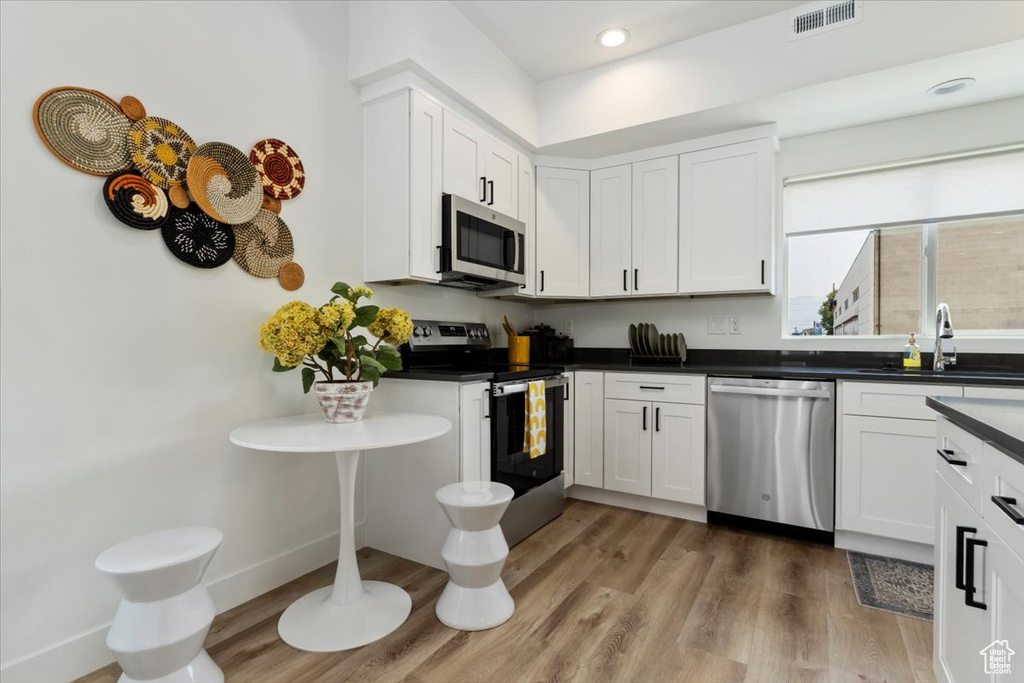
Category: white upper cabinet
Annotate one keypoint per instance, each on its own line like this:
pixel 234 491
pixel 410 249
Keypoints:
pixel 611 218
pixel 726 218
pixel 563 232
pixel 655 226
pixel 403 134
pixel 478 167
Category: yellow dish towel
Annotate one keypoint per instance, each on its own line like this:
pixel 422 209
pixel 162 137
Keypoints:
pixel 535 441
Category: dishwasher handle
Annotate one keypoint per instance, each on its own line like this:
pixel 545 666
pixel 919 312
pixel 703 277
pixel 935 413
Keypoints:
pixel 763 391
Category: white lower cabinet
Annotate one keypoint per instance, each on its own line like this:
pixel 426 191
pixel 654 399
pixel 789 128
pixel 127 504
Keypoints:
pixel 677 453
pixel 588 419
pixel 887 469
pixel 627 446
pixel 569 422
pixel 475 431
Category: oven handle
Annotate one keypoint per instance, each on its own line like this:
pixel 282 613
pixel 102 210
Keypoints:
pixel 521 387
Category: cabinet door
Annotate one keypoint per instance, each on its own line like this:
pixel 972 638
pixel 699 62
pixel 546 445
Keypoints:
pixel 569 445
pixel 888 472
pixel 656 226
pixel 563 232
pixel 1012 393
pixel 611 218
pixel 960 631
pixel 588 414
pixel 677 453
pixel 726 218
pixel 628 427
pixel 1004 595
pixel 465 156
pixel 425 167
pixel 528 215
pixel 501 168
pixel 475 431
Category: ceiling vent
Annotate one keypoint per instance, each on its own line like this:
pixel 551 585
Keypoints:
pixel 810 20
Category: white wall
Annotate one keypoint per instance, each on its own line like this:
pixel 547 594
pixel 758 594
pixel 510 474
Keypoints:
pixel 985 125
pixel 712 70
pixel 437 41
pixel 124 369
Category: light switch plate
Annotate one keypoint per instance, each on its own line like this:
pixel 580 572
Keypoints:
pixel 734 326
pixel 716 325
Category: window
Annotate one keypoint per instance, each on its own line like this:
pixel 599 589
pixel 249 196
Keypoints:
pixel 872 252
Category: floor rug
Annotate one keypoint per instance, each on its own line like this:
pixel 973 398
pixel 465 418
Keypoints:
pixel 891 585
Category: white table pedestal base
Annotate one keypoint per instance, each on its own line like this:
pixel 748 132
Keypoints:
pixel 315 624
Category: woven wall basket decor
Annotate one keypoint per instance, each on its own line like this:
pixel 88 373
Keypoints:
pixel 291 276
pixel 263 245
pixel 280 168
pixel 83 128
pixel 160 150
pixel 224 183
pixel 135 201
pixel 197 239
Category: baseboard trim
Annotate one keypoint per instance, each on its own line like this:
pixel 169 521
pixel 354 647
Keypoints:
pixel 886 547
pixel 693 513
pixel 82 654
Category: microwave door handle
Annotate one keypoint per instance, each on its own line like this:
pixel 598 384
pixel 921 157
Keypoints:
pixel 509 259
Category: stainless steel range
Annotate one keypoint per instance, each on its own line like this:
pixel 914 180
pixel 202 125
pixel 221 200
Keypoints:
pixel 462 348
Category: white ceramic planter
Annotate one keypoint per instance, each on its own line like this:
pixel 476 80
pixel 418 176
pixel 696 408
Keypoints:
pixel 343 401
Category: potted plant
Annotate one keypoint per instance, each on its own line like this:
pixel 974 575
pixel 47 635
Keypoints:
pixel 327 341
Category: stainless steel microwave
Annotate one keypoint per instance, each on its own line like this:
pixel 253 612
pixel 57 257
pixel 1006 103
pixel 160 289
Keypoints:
pixel 480 248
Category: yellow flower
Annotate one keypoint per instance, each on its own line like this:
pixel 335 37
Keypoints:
pixel 393 326
pixel 294 332
pixel 356 292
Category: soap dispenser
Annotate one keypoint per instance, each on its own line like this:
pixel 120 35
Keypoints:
pixel 912 354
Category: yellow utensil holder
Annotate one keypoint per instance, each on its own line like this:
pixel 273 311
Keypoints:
pixel 519 350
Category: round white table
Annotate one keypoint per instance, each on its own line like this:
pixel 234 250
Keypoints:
pixel 352 612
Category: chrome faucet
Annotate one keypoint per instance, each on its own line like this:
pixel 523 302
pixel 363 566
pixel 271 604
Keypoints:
pixel 943 330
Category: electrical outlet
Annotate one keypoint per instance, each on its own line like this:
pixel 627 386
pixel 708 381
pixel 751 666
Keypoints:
pixel 716 325
pixel 734 326
pixel 567 326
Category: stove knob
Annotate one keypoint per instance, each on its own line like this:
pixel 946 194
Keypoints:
pixel 428 331
pixel 486 332
pixel 417 331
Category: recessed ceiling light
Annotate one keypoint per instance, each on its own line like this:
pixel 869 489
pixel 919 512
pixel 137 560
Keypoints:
pixel 950 87
pixel 613 37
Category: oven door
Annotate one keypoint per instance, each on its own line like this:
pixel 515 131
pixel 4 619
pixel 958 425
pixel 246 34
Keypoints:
pixel 510 464
pixel 482 243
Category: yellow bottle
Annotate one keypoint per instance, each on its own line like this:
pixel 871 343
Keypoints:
pixel 912 354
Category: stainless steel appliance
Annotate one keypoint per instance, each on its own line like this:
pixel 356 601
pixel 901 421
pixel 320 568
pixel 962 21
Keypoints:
pixel 455 349
pixel 480 248
pixel 771 453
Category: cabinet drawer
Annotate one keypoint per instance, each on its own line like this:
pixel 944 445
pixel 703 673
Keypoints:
pixel 1003 477
pixel 1012 393
pixel 962 465
pixel 665 388
pixel 893 400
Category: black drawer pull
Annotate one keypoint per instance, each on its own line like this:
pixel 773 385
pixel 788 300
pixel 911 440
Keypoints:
pixel 970 590
pixel 960 531
pixel 645 418
pixel 1006 505
pixel 947 455
pixel 657 419
pixel 652 388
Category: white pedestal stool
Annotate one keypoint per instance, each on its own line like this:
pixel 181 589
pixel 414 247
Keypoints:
pixel 162 621
pixel 475 598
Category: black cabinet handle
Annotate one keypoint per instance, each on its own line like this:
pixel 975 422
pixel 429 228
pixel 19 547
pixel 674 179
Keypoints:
pixel 645 418
pixel 490 184
pixel 947 455
pixel 1006 505
pixel 565 396
pixel 762 271
pixel 960 531
pixel 625 288
pixel 542 280
pixel 653 388
pixel 440 265
pixel 636 279
pixel 657 419
pixel 970 590
pixel 483 188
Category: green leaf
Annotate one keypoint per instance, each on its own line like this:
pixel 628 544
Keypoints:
pixel 370 361
pixel 368 373
pixel 360 340
pixel 365 315
pixel 389 358
pixel 308 376
pixel 282 368
pixel 341 289
pixel 341 344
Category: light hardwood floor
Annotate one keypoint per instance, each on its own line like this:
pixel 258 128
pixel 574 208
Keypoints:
pixel 605 594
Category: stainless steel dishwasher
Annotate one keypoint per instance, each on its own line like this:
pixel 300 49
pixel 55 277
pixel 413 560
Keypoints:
pixel 771 453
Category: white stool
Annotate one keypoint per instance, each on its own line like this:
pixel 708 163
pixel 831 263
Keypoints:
pixel 475 598
pixel 162 621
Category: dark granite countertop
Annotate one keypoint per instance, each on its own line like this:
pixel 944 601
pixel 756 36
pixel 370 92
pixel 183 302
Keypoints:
pixel 1000 422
